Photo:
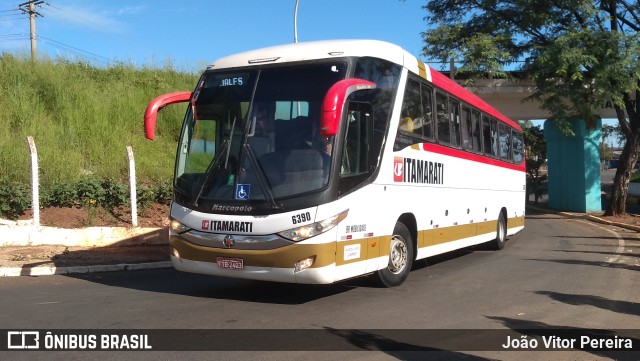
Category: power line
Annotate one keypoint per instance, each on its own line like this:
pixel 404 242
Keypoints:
pixel 59 43
pixel 11 19
pixel 12 35
pixel 51 6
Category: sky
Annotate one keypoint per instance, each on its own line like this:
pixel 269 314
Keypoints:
pixel 190 34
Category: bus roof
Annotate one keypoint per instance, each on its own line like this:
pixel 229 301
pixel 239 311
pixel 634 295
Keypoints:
pixel 327 49
pixel 314 50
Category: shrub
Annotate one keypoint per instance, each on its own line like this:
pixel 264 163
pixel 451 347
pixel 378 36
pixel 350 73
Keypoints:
pixel 14 199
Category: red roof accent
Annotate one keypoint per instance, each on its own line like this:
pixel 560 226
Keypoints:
pixel 440 80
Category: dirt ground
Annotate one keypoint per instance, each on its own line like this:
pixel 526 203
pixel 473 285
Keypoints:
pixel 154 215
pixel 626 219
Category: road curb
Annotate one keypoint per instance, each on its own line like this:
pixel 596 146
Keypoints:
pixel 49 271
pixel 587 216
pixel 24 233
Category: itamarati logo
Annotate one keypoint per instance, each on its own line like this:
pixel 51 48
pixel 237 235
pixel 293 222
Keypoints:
pixel 409 170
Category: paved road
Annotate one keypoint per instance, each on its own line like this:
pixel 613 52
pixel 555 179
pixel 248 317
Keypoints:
pixel 557 272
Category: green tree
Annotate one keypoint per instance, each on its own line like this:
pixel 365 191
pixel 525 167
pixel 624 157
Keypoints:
pixel 536 148
pixel 581 55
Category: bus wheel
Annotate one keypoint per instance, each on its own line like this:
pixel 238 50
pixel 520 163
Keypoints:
pixel 400 258
pixel 501 233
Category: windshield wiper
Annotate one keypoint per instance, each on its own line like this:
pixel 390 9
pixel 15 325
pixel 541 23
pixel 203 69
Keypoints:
pixel 226 150
pixel 262 178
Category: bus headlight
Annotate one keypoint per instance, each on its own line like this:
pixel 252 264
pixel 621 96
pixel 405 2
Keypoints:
pixel 307 231
pixel 177 227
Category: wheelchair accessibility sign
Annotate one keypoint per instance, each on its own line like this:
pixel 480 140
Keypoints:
pixel 243 191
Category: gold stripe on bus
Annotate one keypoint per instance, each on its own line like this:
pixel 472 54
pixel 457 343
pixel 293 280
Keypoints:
pixel 487 227
pixel 328 253
pixel 283 257
pixel 379 246
pixel 515 222
pixel 422 70
pixel 436 236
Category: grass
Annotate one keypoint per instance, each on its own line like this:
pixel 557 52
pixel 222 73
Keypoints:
pixel 83 117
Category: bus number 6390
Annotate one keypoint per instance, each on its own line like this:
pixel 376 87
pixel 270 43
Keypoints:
pixel 301 218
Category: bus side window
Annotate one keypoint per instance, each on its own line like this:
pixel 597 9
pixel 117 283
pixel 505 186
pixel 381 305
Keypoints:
pixel 442 118
pixel 356 162
pixel 467 131
pixel 475 131
pixel 487 147
pixel 454 119
pixel 504 142
pixel 427 111
pixel 518 147
pixel 494 137
pixel 386 75
pixel 411 116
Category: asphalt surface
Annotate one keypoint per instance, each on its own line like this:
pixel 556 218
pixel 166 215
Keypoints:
pixel 559 272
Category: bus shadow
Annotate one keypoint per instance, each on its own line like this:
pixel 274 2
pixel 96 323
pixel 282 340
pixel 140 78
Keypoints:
pixel 170 281
pixel 449 256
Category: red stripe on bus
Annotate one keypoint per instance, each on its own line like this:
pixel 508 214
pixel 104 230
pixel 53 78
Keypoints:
pixel 463 94
pixel 458 153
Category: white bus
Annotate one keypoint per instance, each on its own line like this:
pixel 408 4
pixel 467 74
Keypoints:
pixel 322 161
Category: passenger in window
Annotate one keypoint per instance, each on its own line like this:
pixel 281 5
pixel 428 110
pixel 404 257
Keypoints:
pixel 406 124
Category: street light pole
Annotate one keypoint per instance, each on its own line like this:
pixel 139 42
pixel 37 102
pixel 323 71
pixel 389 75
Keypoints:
pixel 295 23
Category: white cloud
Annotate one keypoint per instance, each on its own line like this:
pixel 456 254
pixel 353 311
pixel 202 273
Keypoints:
pixel 94 19
pixel 129 10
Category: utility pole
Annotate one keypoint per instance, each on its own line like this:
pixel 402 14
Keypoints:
pixel 29 7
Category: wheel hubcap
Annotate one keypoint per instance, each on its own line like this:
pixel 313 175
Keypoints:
pixel 398 255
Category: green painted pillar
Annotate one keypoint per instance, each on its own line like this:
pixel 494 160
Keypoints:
pixel 574 166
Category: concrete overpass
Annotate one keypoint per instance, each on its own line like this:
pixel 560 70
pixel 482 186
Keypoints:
pixel 508 97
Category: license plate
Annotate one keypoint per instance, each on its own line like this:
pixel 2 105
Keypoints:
pixel 230 263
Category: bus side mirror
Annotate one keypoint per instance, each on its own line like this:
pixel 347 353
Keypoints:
pixel 334 101
pixel 151 114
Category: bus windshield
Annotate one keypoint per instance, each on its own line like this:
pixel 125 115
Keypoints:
pixel 254 134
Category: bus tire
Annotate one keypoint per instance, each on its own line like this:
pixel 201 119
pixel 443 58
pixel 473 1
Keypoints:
pixel 501 233
pixel 401 256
